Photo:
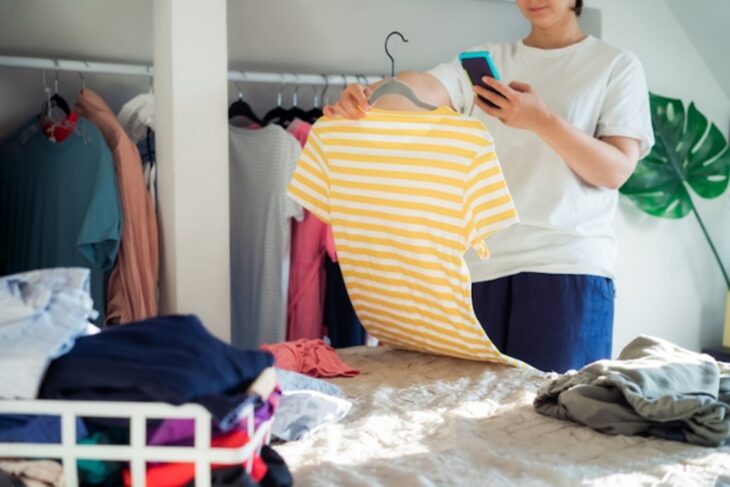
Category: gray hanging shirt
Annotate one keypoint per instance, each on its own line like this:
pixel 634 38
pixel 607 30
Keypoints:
pixel 261 165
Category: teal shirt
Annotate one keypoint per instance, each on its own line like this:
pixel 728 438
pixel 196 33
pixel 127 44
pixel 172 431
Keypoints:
pixel 59 204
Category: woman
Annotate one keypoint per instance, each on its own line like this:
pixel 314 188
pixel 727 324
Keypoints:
pixel 569 130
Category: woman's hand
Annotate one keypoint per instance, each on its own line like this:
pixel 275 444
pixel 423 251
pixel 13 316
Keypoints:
pixel 353 102
pixel 518 107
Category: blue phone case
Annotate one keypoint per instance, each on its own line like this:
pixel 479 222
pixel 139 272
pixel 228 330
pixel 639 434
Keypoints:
pixel 474 64
pixel 481 54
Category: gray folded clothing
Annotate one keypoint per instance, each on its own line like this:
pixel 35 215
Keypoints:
pixel 294 381
pixel 653 388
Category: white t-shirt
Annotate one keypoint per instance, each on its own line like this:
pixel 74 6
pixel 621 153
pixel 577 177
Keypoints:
pixel 565 223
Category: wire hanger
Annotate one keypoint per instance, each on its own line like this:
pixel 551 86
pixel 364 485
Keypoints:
pixel 393 86
pixel 295 111
pixel 83 78
pixel 277 114
pixel 240 108
pixel 316 111
pixel 323 96
pixel 56 100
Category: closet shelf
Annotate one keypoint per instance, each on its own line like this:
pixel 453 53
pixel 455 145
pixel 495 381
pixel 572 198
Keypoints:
pixel 137 453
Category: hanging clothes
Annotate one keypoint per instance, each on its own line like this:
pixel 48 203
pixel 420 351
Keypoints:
pixel 59 204
pixel 137 115
pixel 407 194
pixel 137 118
pixel 261 164
pixel 342 326
pixel 311 240
pixel 148 154
pixel 132 286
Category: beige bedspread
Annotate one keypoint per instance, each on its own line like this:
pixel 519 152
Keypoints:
pixel 420 420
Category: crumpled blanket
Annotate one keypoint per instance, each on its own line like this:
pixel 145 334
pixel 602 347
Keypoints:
pixel 654 388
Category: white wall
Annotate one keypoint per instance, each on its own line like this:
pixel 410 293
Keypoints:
pixel 706 24
pixel 668 283
pixel 346 36
pixel 192 147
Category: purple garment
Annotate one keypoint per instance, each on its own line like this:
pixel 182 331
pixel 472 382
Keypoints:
pixel 181 432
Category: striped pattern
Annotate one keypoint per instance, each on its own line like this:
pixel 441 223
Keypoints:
pixel 407 193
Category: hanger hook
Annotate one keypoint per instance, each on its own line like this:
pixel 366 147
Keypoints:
pixel 387 52
pixel 323 95
pixel 55 79
pixel 81 75
pixel 280 95
pixel 238 87
pixel 295 96
pixel 46 89
pixel 315 102
pixel 152 78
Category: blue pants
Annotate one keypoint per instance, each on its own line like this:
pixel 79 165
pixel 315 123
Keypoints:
pixel 551 321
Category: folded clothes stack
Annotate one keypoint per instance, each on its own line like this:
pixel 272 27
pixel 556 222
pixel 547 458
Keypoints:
pixel 44 316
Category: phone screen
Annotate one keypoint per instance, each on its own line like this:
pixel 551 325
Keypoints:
pixel 477 68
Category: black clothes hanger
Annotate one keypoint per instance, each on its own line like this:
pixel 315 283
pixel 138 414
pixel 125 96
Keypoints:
pixel 279 113
pixel 316 112
pixel 295 111
pixel 56 100
pixel 240 108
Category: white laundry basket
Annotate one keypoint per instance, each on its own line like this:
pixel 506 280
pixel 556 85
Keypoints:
pixel 137 453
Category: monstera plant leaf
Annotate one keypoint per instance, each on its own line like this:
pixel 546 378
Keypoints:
pixel 689 152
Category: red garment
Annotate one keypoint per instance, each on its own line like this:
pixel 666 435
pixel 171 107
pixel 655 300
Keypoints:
pixel 310 357
pixel 311 239
pixel 180 474
pixel 60 131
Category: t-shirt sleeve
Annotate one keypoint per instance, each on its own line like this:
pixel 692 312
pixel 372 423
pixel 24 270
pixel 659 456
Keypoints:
pixel 625 111
pixel 310 184
pixel 101 229
pixel 457 83
pixel 488 205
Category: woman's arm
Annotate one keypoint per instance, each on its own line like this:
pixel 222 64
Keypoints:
pixel 353 102
pixel 606 163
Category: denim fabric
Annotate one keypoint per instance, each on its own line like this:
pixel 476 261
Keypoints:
pixel 551 321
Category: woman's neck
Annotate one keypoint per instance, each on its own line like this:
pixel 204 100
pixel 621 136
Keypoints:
pixel 561 34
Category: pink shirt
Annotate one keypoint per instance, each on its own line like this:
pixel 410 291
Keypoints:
pixel 310 240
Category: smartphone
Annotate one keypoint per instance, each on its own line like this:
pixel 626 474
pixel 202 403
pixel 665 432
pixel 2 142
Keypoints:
pixel 478 64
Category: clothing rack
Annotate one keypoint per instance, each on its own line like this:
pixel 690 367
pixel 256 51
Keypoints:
pixel 146 70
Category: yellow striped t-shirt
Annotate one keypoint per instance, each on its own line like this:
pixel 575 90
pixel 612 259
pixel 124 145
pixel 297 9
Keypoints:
pixel 407 193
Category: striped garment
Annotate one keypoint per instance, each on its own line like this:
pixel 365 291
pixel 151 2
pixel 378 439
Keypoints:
pixel 407 193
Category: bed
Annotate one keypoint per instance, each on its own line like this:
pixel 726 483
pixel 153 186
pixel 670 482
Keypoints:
pixel 421 420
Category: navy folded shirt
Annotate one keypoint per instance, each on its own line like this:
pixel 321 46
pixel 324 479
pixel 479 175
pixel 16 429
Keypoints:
pixel 171 359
